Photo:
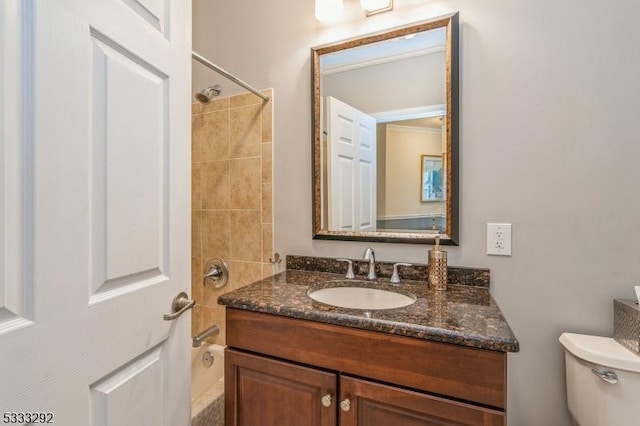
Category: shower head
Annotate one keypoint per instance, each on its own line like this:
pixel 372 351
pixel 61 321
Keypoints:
pixel 205 95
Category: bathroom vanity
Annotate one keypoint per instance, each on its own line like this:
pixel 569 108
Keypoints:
pixel 294 361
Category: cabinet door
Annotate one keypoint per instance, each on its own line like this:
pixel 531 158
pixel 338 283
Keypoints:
pixel 264 392
pixel 367 403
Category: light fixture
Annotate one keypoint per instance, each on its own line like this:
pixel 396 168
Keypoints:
pixel 328 10
pixel 372 7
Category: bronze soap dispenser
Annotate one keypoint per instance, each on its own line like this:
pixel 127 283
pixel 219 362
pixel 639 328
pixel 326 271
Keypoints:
pixel 437 267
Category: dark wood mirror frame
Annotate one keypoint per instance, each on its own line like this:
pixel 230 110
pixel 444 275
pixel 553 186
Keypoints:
pixel 450 236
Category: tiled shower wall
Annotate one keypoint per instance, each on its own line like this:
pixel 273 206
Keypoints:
pixel 232 143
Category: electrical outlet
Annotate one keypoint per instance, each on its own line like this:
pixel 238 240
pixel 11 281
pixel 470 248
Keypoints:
pixel 499 239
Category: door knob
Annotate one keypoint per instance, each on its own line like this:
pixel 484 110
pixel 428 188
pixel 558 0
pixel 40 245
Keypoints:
pixel 181 304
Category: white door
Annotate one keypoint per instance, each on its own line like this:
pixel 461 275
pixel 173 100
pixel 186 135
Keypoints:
pixel 352 168
pixel 94 211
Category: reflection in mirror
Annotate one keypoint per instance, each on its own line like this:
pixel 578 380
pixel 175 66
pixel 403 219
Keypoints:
pixel 385 135
pixel 432 187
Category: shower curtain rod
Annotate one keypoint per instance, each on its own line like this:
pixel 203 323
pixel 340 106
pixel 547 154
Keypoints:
pixel 230 76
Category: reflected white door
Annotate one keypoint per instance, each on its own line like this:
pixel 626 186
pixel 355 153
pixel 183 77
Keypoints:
pixel 351 151
pixel 94 210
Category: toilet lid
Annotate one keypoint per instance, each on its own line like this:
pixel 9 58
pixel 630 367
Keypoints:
pixel 603 351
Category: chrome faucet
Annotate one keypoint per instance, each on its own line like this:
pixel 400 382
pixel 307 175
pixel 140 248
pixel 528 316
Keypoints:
pixel 371 257
pixel 214 330
pixel 395 276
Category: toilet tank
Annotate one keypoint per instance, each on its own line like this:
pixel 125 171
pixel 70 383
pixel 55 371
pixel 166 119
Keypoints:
pixel 592 400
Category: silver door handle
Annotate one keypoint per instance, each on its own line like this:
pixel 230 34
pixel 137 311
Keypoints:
pixel 607 376
pixel 181 304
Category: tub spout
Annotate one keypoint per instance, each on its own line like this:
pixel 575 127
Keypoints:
pixel 214 330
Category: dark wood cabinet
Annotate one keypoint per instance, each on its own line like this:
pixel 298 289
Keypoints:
pixel 375 404
pixel 278 370
pixel 264 392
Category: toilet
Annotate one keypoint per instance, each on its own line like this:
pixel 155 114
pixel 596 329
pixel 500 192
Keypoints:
pixel 603 381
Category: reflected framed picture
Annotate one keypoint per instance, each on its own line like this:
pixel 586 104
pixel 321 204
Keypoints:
pixel 432 185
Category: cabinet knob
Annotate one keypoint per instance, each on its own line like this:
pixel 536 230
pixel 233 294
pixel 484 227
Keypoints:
pixel 345 404
pixel 326 400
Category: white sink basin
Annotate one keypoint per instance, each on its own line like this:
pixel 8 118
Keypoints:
pixel 361 298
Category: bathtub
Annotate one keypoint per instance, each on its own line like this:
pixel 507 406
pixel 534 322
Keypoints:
pixel 207 386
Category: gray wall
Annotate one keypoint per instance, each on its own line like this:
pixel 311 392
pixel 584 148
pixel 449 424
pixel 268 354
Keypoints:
pixel 549 142
pixel 408 83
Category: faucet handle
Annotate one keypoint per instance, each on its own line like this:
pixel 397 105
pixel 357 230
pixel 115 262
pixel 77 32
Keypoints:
pixel 395 276
pixel 350 275
pixel 369 254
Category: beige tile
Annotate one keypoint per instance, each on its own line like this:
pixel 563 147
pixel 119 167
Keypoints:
pixel 196 279
pixel 210 136
pixel 245 236
pixel 245 183
pixel 196 121
pixel 196 108
pixel 267 242
pixel 267 121
pixel 244 100
pixel 219 318
pixel 245 124
pixel 208 318
pixel 211 316
pixel 243 273
pixel 196 233
pixel 210 295
pixel 196 317
pixel 267 162
pixel 197 132
pixel 215 185
pixel 215 233
pixel 216 104
pixel 267 203
pixel 196 187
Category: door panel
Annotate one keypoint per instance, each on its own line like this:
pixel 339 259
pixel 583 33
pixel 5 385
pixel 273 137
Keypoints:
pixel 16 177
pixel 154 12
pixel 94 185
pixel 265 392
pixel 367 197
pixel 351 151
pixel 129 143
pixel 368 190
pixel 111 397
pixel 344 172
pixel 377 404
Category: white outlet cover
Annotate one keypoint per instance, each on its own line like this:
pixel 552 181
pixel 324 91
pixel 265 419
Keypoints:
pixel 499 239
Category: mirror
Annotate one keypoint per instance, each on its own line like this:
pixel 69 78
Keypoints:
pixel 385 135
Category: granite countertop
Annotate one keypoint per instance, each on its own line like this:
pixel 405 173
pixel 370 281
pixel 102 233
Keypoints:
pixel 463 315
